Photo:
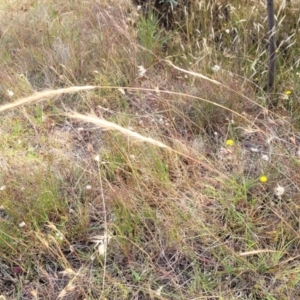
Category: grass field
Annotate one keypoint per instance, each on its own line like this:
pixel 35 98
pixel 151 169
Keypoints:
pixel 138 157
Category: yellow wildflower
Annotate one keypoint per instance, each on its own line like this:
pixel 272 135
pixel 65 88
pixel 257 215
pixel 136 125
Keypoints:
pixel 288 92
pixel 263 178
pixel 229 143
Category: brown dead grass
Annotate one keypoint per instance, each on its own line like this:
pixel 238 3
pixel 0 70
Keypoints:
pixel 190 223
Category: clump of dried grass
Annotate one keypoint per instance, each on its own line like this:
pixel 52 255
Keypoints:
pixel 104 124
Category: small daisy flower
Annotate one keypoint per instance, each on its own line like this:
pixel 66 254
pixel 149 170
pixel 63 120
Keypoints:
pixel 229 143
pixel 263 178
pixel 141 71
pixel 216 68
pixel 279 191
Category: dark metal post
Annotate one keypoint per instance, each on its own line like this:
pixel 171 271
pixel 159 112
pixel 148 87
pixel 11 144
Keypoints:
pixel 272 46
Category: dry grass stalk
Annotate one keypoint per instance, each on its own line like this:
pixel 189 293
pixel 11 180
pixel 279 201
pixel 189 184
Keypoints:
pixel 257 252
pixel 43 96
pixel 194 73
pixel 106 125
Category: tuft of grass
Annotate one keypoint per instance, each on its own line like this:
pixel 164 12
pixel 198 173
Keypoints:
pixel 152 38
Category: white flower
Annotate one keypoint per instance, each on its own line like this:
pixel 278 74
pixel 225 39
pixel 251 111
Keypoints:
pixel 88 187
pixel 216 68
pixel 265 157
pixel 22 224
pixel 59 236
pixel 2 188
pixel 279 191
pixel 142 71
pixel 10 93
